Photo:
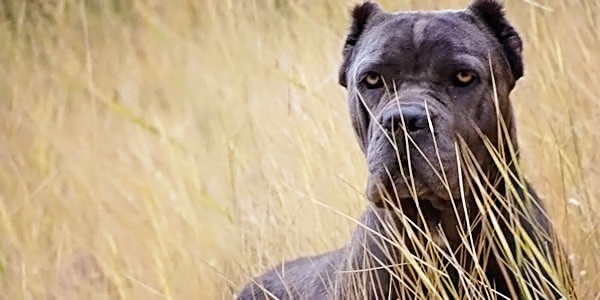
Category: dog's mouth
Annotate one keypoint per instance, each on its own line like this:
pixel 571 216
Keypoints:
pixel 386 193
pixel 425 201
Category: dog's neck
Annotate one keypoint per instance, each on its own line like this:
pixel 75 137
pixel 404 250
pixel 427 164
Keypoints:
pixel 447 226
pixel 387 237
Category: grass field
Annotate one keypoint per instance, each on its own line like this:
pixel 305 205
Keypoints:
pixel 172 151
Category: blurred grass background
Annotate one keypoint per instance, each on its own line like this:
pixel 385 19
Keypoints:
pixel 172 150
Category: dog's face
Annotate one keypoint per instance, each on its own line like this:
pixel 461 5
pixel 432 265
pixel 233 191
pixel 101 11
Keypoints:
pixel 419 85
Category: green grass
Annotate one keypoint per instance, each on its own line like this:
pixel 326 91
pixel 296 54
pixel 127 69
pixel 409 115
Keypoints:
pixel 160 151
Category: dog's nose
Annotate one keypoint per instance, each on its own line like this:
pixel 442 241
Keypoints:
pixel 411 117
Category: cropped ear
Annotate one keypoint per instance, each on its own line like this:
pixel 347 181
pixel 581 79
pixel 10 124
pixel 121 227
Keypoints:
pixel 491 13
pixel 361 15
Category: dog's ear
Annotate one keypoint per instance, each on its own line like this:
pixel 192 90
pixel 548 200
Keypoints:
pixel 491 13
pixel 361 15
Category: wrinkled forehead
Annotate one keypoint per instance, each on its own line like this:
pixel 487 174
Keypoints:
pixel 424 35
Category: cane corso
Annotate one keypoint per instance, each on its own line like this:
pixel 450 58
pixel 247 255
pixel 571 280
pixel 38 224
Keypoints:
pixel 450 216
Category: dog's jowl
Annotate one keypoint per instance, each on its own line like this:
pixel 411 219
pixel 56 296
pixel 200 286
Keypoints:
pixel 449 215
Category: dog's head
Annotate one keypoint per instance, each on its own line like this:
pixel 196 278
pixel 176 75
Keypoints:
pixel 420 85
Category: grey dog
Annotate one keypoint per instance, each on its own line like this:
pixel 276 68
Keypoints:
pixel 429 102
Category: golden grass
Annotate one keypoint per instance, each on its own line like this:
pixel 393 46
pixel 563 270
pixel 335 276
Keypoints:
pixel 174 151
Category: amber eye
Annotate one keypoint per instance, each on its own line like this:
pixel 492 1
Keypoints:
pixel 464 78
pixel 373 80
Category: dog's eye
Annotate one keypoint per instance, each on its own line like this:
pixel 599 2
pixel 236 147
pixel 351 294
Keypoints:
pixel 463 78
pixel 373 80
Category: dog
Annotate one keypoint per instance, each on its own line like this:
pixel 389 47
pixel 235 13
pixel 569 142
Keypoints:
pixel 449 216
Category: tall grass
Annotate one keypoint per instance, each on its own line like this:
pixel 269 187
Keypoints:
pixel 173 150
